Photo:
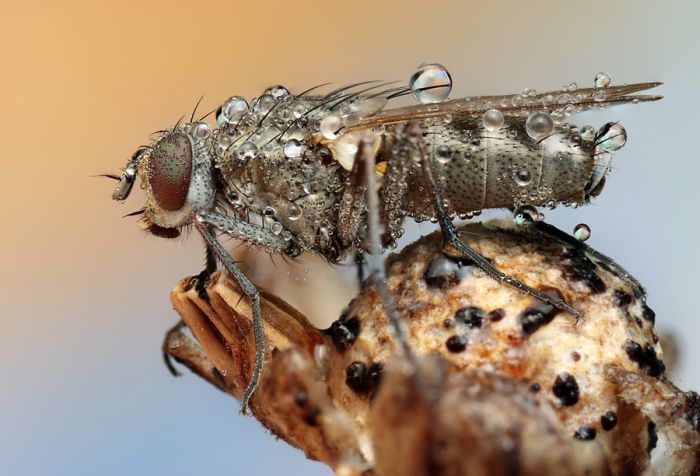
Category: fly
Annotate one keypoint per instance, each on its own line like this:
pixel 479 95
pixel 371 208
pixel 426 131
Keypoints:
pixel 338 174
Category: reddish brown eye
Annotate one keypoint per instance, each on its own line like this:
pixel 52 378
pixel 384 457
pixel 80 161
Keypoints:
pixel 170 170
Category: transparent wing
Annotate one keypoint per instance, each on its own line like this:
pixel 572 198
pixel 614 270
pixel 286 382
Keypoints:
pixel 513 105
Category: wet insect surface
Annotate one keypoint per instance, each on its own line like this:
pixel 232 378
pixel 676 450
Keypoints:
pixel 338 173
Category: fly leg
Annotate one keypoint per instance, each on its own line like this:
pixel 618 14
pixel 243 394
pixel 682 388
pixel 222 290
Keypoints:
pixel 559 235
pixel 257 237
pixel 201 281
pixel 376 262
pixel 360 263
pixel 451 235
pixel 179 347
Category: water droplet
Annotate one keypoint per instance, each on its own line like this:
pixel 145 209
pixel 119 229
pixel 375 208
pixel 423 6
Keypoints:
pixel 575 140
pixel 264 104
pixel 539 125
pixel 601 80
pixel 293 211
pixel 518 100
pixel 292 149
pixel 269 211
pixel 202 130
pixel 330 126
pixel 430 83
pixel 276 228
pixel 582 232
pixel 570 110
pixel 277 91
pixel 587 133
pixel 493 120
pixel 525 215
pixel 231 111
pixel 246 151
pixel 611 137
pixel 443 153
pixel 523 177
pixel 599 96
pixel 298 110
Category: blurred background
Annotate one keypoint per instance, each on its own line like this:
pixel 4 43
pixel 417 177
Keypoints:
pixel 85 294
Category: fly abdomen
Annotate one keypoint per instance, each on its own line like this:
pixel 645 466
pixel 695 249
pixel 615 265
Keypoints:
pixel 478 169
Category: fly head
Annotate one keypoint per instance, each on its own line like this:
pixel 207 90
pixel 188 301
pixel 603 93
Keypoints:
pixel 177 177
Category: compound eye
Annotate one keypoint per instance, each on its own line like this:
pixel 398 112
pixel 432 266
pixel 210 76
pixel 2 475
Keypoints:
pixel 170 170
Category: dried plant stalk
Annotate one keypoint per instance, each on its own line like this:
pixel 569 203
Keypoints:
pixel 506 384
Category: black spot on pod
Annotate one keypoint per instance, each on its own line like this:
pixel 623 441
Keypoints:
pixel 344 332
pixel 645 357
pixel 581 268
pixel 648 314
pixel 357 377
pixel 376 371
pixel 585 433
pixel 311 416
pixel 538 315
pixel 496 315
pixel 621 298
pixel 566 389
pixel 445 271
pixel 456 343
pixel 608 420
pixel 364 380
pixel 472 316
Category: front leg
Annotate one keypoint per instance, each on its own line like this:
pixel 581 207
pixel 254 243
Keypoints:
pixel 201 281
pixel 452 236
pixel 257 237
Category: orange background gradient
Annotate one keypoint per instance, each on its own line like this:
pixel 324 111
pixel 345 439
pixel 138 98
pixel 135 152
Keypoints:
pixel 85 293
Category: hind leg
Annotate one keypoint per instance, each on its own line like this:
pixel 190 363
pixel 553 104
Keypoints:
pixel 451 235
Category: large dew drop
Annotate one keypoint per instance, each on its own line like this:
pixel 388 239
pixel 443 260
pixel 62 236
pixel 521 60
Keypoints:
pixel 264 104
pixel 246 151
pixel 582 232
pixel 430 83
pixel 293 211
pixel 443 153
pixel 539 125
pixel 277 91
pixel 493 120
pixel 231 111
pixel 602 80
pixel 523 177
pixel 611 137
pixel 526 215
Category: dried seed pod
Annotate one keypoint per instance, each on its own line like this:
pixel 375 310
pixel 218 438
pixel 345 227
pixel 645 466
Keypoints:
pixel 504 383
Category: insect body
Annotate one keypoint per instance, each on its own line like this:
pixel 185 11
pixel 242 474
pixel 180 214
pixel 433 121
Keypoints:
pixel 338 174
